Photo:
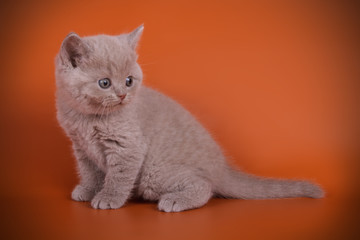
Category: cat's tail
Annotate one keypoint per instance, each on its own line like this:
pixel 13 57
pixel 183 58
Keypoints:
pixel 236 184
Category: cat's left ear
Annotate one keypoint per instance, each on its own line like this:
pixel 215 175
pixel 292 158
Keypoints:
pixel 134 36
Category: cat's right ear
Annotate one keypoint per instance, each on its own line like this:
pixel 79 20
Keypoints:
pixel 73 50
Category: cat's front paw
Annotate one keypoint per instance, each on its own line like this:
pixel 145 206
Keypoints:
pixel 103 200
pixel 82 194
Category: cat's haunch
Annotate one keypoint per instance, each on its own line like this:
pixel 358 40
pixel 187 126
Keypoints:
pixel 130 140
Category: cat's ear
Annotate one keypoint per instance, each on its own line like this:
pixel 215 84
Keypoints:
pixel 134 36
pixel 73 49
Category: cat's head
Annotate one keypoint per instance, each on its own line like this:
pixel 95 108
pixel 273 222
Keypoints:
pixel 98 74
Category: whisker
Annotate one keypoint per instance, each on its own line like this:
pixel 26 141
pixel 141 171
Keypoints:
pixel 102 112
pixel 107 115
pixel 98 110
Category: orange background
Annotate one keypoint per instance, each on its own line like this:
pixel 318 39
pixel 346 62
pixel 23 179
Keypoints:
pixel 275 82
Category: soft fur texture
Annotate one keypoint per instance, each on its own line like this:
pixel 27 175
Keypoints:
pixel 134 141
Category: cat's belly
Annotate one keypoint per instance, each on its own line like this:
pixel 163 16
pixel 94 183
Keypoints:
pixel 148 188
pixel 156 177
pixel 149 184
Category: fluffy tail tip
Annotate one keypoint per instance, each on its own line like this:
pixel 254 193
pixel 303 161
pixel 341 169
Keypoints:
pixel 313 190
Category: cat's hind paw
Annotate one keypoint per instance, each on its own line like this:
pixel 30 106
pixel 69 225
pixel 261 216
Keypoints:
pixel 173 203
pixel 82 194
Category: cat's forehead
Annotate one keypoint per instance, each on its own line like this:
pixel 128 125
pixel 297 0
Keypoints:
pixel 112 53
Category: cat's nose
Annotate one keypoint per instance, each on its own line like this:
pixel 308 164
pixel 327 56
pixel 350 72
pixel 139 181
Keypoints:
pixel 122 96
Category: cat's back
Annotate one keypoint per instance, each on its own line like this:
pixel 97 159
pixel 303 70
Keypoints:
pixel 171 131
pixel 156 110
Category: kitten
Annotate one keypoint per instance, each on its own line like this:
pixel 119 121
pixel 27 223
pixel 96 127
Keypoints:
pixel 130 140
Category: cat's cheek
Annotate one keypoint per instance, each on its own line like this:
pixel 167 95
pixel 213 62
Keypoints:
pixel 127 99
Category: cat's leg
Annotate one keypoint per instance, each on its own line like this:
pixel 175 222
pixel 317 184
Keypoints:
pixel 123 162
pixel 189 193
pixel 91 178
pixel 119 181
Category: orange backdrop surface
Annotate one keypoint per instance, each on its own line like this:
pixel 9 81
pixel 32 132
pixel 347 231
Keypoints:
pixel 275 82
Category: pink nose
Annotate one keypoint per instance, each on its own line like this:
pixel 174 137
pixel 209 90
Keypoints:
pixel 122 97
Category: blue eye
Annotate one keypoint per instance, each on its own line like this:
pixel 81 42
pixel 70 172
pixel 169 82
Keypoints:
pixel 104 83
pixel 129 81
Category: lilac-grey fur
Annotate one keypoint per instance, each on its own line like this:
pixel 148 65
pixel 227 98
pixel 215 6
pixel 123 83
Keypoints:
pixel 145 145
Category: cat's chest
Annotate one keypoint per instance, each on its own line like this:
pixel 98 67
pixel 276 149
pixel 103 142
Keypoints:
pixel 88 141
pixel 91 137
pixel 120 135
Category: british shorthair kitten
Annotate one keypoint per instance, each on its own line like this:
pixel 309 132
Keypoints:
pixel 132 141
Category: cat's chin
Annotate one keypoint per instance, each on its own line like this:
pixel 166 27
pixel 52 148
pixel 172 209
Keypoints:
pixel 96 108
pixel 111 108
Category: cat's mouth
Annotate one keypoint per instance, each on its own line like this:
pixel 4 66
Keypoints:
pixel 114 104
pixel 108 102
